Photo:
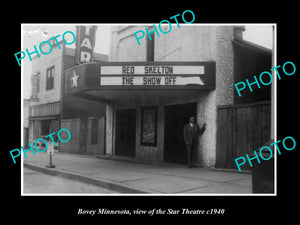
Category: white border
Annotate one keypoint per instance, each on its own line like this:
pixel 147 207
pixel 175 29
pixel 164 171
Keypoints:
pixel 274 60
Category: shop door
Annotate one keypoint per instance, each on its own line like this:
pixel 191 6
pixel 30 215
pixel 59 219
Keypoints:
pixel 176 116
pixel 125 132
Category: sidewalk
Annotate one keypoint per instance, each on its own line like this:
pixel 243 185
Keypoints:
pixel 133 177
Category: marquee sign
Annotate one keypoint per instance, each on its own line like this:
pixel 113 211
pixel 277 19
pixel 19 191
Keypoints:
pixel 141 75
pixel 151 75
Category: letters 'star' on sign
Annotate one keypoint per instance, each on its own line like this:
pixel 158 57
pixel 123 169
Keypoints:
pixel 85 43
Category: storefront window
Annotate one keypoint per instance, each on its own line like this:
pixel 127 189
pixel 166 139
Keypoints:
pixel 149 127
pixel 94 133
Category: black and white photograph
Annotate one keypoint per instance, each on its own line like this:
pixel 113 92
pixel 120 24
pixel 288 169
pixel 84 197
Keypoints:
pixel 135 112
pixel 149 109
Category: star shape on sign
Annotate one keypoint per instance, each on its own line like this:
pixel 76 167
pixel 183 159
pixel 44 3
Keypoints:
pixel 74 79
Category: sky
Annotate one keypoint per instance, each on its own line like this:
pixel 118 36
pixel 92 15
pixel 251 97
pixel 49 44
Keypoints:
pixel 261 35
pixel 33 34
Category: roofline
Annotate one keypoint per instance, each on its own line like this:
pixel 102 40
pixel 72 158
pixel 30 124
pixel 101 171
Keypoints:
pixel 248 44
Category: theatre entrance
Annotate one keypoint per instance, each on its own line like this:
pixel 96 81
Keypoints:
pixel 176 116
pixel 125 132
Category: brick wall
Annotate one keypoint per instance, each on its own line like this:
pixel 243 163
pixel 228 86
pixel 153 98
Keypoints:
pixel 224 70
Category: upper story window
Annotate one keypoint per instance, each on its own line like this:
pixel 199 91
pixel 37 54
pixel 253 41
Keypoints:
pixel 50 78
pixel 150 48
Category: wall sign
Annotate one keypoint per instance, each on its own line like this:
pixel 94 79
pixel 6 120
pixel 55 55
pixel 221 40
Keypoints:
pixel 85 43
pixel 35 81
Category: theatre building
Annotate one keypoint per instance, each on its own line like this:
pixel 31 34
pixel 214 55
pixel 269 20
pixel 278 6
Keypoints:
pixel 150 91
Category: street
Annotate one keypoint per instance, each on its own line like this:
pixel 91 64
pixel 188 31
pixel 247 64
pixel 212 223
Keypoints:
pixel 39 183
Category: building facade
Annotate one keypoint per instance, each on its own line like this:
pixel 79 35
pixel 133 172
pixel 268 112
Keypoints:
pixel 150 91
pixel 46 111
pixel 26 103
pixel 45 108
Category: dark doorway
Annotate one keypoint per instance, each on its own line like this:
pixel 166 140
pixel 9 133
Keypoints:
pixel 176 116
pixel 26 137
pixel 45 127
pixel 125 132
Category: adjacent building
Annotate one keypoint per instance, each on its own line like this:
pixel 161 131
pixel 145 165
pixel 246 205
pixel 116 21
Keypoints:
pixel 26 104
pixel 48 109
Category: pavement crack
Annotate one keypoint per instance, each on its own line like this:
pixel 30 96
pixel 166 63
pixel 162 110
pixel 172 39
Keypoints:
pixel 124 181
pixel 190 189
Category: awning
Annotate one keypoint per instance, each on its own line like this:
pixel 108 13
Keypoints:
pixel 44 118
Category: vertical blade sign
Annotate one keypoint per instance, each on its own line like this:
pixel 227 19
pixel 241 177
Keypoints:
pixel 85 42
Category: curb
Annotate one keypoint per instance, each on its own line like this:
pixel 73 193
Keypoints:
pixel 104 183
